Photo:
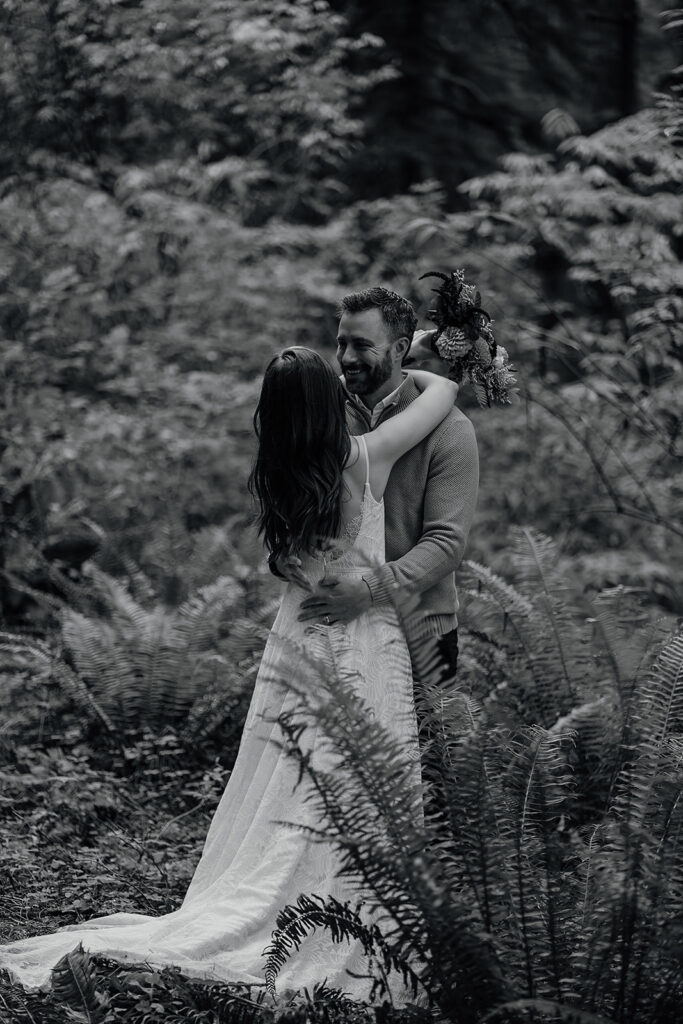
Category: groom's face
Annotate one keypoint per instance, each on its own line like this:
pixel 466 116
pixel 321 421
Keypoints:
pixel 365 352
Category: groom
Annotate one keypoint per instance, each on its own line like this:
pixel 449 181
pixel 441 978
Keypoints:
pixel 430 498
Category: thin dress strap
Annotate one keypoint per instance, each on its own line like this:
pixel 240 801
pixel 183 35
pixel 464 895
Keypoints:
pixel 361 439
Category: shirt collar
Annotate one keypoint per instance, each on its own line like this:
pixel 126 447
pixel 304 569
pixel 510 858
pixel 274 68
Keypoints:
pixel 384 403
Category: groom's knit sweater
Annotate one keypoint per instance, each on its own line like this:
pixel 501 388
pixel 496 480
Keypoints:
pixel 429 505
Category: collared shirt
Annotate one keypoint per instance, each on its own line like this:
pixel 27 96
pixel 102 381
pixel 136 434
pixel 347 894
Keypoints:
pixel 383 403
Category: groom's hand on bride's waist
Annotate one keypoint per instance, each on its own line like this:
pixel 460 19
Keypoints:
pixel 336 600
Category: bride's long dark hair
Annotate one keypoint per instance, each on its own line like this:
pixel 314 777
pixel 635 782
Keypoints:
pixel 304 444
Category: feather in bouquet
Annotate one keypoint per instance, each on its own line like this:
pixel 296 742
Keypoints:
pixel 465 341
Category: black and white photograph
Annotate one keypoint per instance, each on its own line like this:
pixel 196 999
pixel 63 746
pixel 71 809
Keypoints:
pixel 341 512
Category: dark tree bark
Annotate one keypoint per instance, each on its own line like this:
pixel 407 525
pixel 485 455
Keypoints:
pixel 630 25
pixel 618 24
pixel 477 77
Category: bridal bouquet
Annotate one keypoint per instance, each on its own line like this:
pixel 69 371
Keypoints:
pixel 465 341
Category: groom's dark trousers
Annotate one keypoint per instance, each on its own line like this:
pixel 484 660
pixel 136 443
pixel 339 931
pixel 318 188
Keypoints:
pixel 432 769
pixel 448 649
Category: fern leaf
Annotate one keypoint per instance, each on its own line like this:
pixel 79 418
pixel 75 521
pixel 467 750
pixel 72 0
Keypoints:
pixel 342 922
pixel 549 1008
pixel 534 557
pixel 74 982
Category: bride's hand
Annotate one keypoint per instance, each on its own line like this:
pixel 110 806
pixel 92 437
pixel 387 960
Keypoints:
pixel 289 568
pixel 336 599
pixel 421 357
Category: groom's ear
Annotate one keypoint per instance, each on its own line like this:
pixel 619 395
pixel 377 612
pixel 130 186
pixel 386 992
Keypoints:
pixel 401 347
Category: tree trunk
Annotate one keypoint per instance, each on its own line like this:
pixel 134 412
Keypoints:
pixel 630 24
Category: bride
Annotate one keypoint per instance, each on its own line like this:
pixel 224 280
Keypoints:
pixel 320 495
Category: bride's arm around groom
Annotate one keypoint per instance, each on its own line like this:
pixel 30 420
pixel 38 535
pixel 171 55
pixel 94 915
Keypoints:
pixel 430 502
pixel 431 495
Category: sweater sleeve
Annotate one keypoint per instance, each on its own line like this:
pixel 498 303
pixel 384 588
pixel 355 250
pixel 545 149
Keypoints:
pixel 449 504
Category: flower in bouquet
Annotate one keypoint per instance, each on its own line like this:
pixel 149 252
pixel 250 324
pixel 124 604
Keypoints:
pixel 465 341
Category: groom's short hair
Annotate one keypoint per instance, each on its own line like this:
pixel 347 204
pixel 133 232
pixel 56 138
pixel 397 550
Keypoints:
pixel 397 313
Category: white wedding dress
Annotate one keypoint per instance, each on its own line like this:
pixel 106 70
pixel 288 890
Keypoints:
pixel 252 864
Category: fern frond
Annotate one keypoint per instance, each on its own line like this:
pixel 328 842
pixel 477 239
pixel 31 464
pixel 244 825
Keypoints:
pixel 74 982
pixel 49 601
pixel 21 651
pixel 530 1008
pixel 103 665
pixel 534 625
pixel 510 600
pixel 344 923
pixel 247 637
pixel 45 662
pixel 534 556
pixel 74 686
pixel 197 620
pixel 148 667
pixel 496 607
pixel 662 876
pixel 632 868
pixel 660 705
pixel 618 624
pixel 530 791
pixel 121 607
pixel 657 709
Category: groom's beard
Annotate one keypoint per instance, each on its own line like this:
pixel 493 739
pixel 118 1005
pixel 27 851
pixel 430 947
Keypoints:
pixel 371 378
